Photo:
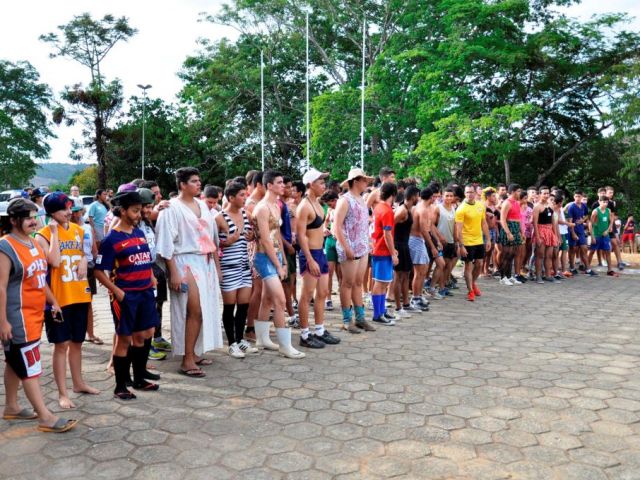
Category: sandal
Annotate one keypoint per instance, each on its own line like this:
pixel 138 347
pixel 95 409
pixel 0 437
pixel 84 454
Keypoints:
pixel 126 395
pixel 62 425
pixel 193 372
pixel 204 361
pixel 151 387
pixel 95 340
pixel 24 414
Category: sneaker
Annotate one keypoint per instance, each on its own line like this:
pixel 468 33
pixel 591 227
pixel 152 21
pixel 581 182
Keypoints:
pixel 515 281
pixel 384 321
pixel 329 339
pixel 364 325
pixel 477 291
pixel 506 282
pixel 453 286
pixel 611 273
pixel 389 316
pixel 155 354
pixel 435 295
pixel 294 321
pixel 368 303
pixel 328 306
pixel 521 278
pixel 402 313
pixel 410 308
pixel 445 292
pixel 591 273
pixel 235 351
pixel 295 305
pixel 311 342
pixel 621 266
pixel 161 344
pixel 540 281
pixel 471 296
pixel 496 274
pixel 419 304
pixel 246 347
pixel 558 277
pixel 573 271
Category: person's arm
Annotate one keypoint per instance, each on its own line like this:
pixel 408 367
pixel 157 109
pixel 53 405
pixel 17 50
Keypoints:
pixel 103 277
pixel 485 232
pixel 457 236
pixel 5 326
pixel 611 221
pixel 51 246
pixel 504 211
pixel 434 214
pixel 83 264
pixel 51 300
pixel 388 237
pixel 400 215
pixel 223 226
pixel 342 209
pixel 166 236
pixel 594 218
pixel 536 215
pixel 425 229
pixel 373 198
pixel 303 214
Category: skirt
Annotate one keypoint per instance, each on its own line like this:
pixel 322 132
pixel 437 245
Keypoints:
pixel 547 236
pixel 514 228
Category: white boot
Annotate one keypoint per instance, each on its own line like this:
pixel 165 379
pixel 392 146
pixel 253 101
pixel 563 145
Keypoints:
pixel 284 339
pixel 262 336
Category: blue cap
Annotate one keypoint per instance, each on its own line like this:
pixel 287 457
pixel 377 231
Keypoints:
pixel 55 202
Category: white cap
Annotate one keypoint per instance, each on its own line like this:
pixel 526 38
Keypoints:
pixel 312 175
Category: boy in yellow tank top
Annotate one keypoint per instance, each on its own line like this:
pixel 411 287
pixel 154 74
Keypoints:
pixel 67 277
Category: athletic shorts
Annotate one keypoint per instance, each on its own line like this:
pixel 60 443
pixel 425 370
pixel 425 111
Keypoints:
pixel 264 267
pixel 319 256
pixel 381 268
pixel 474 252
pixel 24 359
pixel 91 278
pixel 73 325
pixel 291 264
pixel 628 237
pixel 564 246
pixel 493 234
pixel 404 258
pixel 582 239
pixel 136 313
pixel 449 251
pixel 330 249
pixel 418 251
pixel 602 243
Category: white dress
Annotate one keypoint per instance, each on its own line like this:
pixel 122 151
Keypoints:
pixel 192 242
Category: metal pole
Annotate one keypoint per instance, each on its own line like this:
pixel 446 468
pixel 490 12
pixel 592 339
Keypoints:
pixel 144 105
pixel 307 92
pixel 262 108
pixel 364 39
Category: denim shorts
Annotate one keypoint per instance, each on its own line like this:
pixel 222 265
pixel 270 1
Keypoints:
pixel 263 265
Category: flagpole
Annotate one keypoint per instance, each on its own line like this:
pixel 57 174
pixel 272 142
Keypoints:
pixel 307 92
pixel 364 26
pixel 262 109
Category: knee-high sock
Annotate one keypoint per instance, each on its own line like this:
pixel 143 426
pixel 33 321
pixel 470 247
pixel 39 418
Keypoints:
pixel 139 357
pixel 240 320
pixel 228 322
pixel 121 369
pixel 378 305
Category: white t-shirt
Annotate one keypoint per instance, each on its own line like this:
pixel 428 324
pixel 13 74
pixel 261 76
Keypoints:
pixel 87 243
pixel 564 229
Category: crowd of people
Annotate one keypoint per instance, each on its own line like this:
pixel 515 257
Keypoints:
pixel 230 259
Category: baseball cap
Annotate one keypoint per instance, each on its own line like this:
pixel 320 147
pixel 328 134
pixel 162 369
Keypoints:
pixel 37 193
pixel 147 196
pixel 56 201
pixel 126 199
pixel 127 187
pixel 21 207
pixel 312 175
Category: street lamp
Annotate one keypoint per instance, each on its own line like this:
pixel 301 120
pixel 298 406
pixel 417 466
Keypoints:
pixel 144 105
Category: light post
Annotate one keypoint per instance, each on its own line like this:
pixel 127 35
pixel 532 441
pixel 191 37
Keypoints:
pixel 144 105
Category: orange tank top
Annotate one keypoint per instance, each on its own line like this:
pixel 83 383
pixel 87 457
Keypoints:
pixel 65 284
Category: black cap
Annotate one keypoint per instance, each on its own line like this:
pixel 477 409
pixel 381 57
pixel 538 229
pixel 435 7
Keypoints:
pixel 126 199
pixel 37 193
pixel 21 207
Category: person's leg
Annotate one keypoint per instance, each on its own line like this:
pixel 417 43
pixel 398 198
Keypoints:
pixel 75 365
pixel 398 290
pixel 254 305
pixel 548 261
pixel 273 295
pixel 468 275
pixel 193 323
pixel 11 384
pixel 139 357
pixel 363 270
pixel 607 256
pixel 477 268
pixel 332 269
pixel 540 258
pixel 419 273
pixel 228 310
pixel 349 271
pixel 121 366
pixel 438 280
pixel 322 293
pixel 242 308
pixel 309 283
pixel 59 363
pixel 506 259
pixel 615 247
pixel 33 393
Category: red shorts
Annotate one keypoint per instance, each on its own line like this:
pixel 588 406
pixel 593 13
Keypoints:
pixel 628 237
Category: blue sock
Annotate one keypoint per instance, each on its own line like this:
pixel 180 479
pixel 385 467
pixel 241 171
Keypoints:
pixel 383 303
pixel 378 305
pixel 346 315
pixel 359 313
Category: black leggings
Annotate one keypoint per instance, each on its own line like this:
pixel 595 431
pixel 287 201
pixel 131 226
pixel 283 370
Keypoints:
pixel 506 260
pixel 234 324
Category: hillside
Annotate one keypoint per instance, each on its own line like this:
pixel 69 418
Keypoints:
pixel 50 173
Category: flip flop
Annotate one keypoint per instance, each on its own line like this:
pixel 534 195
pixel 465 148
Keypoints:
pixel 24 414
pixel 62 425
pixel 204 361
pixel 193 372
pixel 95 340
pixel 124 395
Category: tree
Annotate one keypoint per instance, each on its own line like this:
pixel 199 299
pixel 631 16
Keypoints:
pixel 86 180
pixel 88 41
pixel 24 129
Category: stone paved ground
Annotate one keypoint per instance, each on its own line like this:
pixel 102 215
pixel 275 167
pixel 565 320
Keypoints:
pixel 547 389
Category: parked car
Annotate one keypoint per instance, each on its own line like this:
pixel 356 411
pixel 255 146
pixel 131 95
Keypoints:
pixel 6 196
pixel 87 199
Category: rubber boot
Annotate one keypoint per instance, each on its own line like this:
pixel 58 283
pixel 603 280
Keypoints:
pixel 284 339
pixel 262 336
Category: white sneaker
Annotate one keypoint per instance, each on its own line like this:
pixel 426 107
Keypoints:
pixel 246 347
pixel 235 352
pixel 435 295
pixel 368 303
pixel 402 313
pixel 515 281
pixel 506 282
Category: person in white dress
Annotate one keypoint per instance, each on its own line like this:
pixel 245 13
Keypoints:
pixel 187 240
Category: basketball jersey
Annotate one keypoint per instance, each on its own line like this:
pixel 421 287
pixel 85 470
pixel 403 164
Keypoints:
pixel 26 297
pixel 65 284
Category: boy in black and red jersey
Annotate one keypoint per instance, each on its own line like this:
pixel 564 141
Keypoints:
pixel 126 252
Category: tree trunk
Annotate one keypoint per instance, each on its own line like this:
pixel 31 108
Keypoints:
pixel 375 144
pixel 101 153
pixel 507 171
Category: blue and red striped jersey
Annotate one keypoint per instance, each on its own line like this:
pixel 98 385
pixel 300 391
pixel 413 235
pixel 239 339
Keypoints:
pixel 127 255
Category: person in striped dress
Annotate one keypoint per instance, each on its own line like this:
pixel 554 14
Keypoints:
pixel 234 227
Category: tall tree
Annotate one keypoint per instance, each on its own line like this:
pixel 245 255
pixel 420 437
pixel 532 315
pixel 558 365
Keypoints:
pixel 88 42
pixel 24 129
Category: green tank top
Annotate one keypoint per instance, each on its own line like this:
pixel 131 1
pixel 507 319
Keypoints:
pixel 602 224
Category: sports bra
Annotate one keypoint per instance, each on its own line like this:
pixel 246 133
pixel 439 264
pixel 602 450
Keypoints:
pixel 318 221
pixel 545 217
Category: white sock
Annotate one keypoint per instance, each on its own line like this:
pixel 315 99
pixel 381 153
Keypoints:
pixel 319 330
pixel 304 333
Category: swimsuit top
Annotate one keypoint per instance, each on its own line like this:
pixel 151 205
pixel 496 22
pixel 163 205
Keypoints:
pixel 318 221
pixel 545 217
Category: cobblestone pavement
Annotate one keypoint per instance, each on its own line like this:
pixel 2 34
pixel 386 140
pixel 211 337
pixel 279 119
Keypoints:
pixel 527 382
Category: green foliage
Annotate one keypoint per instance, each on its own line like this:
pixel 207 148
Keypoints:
pixel 86 180
pixel 24 129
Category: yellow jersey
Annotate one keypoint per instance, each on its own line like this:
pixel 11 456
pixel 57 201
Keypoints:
pixel 471 217
pixel 63 280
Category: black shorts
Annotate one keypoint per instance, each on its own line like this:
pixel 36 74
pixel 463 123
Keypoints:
pixel 73 325
pixel 404 258
pixel 24 359
pixel 92 281
pixel 136 313
pixel 474 252
pixel 449 251
pixel 161 288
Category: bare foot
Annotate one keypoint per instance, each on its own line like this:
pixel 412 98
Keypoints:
pixel 110 370
pixel 84 388
pixel 66 403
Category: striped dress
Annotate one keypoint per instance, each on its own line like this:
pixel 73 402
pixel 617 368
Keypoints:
pixel 234 262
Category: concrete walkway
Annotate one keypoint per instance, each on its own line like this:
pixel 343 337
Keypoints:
pixel 527 382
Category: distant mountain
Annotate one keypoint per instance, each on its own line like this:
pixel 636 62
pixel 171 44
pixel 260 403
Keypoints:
pixel 50 173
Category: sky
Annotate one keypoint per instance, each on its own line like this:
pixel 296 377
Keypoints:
pixel 168 31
